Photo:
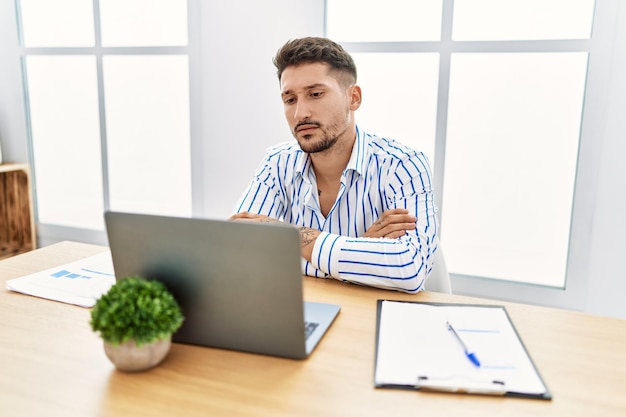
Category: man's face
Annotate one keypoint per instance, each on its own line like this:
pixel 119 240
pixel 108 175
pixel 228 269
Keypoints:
pixel 317 107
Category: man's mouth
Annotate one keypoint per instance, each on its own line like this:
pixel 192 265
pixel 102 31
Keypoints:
pixel 306 126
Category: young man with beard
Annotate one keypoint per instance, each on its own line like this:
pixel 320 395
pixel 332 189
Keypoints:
pixel 363 204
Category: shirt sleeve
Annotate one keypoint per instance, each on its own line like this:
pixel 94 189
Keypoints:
pixel 401 264
pixel 395 264
pixel 263 195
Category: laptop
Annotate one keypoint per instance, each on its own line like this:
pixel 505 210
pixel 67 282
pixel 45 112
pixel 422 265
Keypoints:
pixel 239 284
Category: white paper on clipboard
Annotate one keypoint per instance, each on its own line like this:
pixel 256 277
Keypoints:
pixel 416 349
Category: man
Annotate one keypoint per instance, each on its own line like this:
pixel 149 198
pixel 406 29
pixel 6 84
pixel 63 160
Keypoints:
pixel 363 204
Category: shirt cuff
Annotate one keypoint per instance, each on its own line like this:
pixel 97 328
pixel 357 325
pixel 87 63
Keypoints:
pixel 325 255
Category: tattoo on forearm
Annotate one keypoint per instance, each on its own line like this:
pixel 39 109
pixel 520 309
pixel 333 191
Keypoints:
pixel 307 235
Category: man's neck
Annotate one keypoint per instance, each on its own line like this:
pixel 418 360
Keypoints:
pixel 330 164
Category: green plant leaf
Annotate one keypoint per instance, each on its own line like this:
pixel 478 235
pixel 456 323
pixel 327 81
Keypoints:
pixel 136 309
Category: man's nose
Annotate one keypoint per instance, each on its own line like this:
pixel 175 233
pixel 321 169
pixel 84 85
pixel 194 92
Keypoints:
pixel 302 111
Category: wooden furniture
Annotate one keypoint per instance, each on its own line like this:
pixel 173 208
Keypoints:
pixel 52 364
pixel 17 225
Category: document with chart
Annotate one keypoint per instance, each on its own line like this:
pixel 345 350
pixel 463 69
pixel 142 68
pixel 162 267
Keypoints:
pixel 461 348
pixel 80 283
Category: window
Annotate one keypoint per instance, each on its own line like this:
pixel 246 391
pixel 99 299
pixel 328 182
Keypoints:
pixel 493 92
pixel 418 116
pixel 116 93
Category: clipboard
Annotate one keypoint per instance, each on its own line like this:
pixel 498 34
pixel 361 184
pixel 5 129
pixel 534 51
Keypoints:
pixel 415 349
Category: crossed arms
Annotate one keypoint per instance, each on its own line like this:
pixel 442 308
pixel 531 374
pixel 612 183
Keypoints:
pixel 392 224
pixel 391 254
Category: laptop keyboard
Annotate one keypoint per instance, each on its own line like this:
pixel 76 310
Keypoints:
pixel 309 327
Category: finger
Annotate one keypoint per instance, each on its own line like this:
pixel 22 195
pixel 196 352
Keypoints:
pixel 395 230
pixel 398 227
pixel 396 219
pixel 401 231
pixel 245 215
pixel 396 234
pixel 394 211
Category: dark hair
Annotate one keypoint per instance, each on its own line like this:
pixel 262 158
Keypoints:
pixel 311 50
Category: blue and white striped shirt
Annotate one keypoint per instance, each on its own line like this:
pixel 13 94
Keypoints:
pixel 382 174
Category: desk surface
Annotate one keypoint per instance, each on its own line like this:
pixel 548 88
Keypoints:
pixel 51 363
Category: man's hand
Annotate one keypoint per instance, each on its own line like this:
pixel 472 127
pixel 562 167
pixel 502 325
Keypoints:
pixel 307 235
pixel 252 217
pixel 392 224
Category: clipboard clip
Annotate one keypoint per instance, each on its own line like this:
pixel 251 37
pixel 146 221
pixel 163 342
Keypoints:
pixel 460 385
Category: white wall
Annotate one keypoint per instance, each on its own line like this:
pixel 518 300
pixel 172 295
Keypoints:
pixel 242 111
pixel 606 281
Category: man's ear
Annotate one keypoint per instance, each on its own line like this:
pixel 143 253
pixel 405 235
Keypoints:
pixel 355 97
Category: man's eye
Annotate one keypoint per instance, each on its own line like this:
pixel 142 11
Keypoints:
pixel 289 100
pixel 317 94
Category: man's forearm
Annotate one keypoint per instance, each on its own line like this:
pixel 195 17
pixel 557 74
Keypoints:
pixel 399 264
pixel 308 237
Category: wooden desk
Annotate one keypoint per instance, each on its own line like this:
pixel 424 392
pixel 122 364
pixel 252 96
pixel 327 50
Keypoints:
pixel 51 364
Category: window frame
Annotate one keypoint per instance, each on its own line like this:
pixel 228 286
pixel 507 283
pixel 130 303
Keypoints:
pixel 50 233
pixel 573 295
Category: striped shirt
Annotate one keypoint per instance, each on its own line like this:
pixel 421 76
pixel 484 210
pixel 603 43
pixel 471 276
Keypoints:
pixel 381 174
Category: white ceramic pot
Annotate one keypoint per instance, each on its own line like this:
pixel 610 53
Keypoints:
pixel 130 357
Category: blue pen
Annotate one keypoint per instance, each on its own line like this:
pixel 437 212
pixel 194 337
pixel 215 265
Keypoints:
pixel 470 355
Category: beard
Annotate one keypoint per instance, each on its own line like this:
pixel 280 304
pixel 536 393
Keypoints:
pixel 308 142
pixel 310 145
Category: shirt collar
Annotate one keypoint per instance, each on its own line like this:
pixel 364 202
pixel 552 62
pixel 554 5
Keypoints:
pixel 356 162
pixel 357 158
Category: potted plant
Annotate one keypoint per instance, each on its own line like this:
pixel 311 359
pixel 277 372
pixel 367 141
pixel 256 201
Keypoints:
pixel 136 319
